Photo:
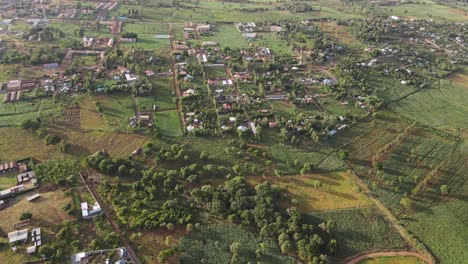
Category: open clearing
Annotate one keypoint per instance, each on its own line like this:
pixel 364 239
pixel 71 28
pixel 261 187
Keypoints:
pixel 168 123
pixel 85 143
pixel 337 191
pixel 16 144
pixel 46 210
pixel 90 118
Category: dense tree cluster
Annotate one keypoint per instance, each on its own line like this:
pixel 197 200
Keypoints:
pixel 240 203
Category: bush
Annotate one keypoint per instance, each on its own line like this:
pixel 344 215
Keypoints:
pixel 25 216
pixel 52 139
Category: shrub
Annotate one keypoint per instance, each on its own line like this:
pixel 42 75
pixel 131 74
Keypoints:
pixel 25 216
pixel 52 139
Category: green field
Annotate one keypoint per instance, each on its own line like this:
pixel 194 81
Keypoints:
pixel 117 109
pixel 7 180
pixel 162 96
pixel 212 244
pixel 227 35
pixel 168 123
pixel 12 114
pixel 429 11
pixel 272 41
pixel 444 230
pixel 442 105
pixel 359 230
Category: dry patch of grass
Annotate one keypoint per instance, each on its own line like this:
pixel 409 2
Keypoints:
pixel 16 144
pixel 46 210
pixel 393 260
pixel 337 191
pixel 152 242
pixel 90 118
pixel 84 143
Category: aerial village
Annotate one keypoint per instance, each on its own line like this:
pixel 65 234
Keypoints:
pixel 311 93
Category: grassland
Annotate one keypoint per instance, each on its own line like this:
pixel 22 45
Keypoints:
pixel 117 109
pixel 359 230
pixel 46 210
pixel 320 156
pixel 215 72
pixel 212 244
pixel 272 41
pixel 90 118
pixel 338 191
pixel 16 144
pixel 168 123
pixel 7 180
pixel 84 143
pixel 162 96
pixel 444 230
pixel 429 11
pixel 227 35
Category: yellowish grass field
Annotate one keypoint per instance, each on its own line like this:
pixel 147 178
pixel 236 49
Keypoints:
pixel 46 210
pixel 393 260
pixel 16 143
pixel 337 191
pixel 84 143
pixel 90 118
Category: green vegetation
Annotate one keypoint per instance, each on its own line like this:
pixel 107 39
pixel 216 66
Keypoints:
pixel 219 244
pixel 447 224
pixel 168 123
pixel 359 230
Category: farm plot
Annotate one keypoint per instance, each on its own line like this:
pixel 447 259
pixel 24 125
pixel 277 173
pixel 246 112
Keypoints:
pixel 168 123
pixel 212 244
pixel 13 114
pixel 442 105
pixel 452 172
pixel 412 160
pixel 227 36
pixel 444 230
pixel 361 229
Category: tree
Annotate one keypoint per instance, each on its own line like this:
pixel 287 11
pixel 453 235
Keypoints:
pixel 30 125
pixel 204 156
pixel 47 251
pixel 343 154
pixel 285 247
pixel 170 226
pixel 52 139
pixel 405 202
pixel 444 189
pixel 123 170
pixel 189 227
pixel 25 216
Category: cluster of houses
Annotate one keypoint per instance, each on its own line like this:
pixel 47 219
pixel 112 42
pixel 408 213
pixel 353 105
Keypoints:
pixel 22 236
pixel 141 119
pixel 26 180
pixel 117 256
pixel 250 30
